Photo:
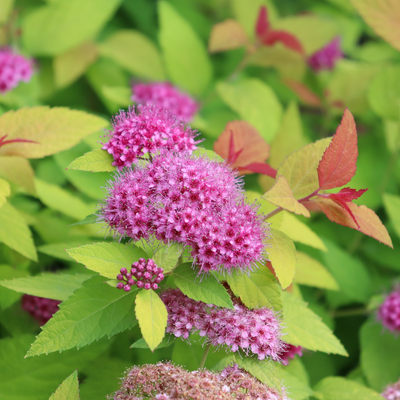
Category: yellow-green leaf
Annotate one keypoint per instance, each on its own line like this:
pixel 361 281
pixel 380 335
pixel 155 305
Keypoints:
pixel 281 195
pixel 18 170
pixel 54 129
pixel 68 390
pixel 135 52
pixel 282 255
pixel 392 204
pixel 152 316
pixel 311 272
pixel 4 191
pixel 5 9
pixel 95 161
pixel 118 94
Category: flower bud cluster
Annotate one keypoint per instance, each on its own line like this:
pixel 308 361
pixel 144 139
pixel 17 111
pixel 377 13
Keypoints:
pixel 165 95
pixel 290 352
pixel 254 331
pixel 146 130
pixel 392 392
pixel 166 381
pixel 389 311
pixel 40 308
pixel 14 68
pixel 144 274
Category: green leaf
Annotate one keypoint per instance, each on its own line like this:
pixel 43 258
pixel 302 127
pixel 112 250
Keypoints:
pixel 250 98
pixel 167 256
pixel 93 311
pixel 282 255
pixel 304 328
pixel 57 250
pixel 257 289
pixel 36 378
pixel 392 204
pixel 14 232
pixel 90 219
pixel 166 342
pixel 64 24
pixel 206 289
pixel 152 316
pixel 4 191
pixel 311 272
pixel 297 389
pixel 380 351
pixel 143 58
pixel 5 9
pixel 7 296
pixel 185 56
pixel 68 390
pixel 61 200
pixel 119 94
pixel 334 388
pixel 94 161
pixel 107 258
pixel 18 170
pixel 50 286
pixel 201 152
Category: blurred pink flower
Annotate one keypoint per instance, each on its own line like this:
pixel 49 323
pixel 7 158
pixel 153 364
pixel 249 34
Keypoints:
pixel 40 308
pixel 326 57
pixel 389 311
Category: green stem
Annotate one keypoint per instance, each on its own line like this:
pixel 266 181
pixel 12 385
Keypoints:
pixel 204 358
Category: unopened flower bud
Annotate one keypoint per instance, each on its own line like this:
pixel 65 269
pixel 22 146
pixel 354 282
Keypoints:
pixel 140 284
pixel 147 286
pixel 120 277
pixel 154 286
pixel 127 288
pixel 124 271
pixel 120 285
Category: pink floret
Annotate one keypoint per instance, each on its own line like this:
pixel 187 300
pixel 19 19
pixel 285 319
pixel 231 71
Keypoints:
pixel 290 352
pixel 389 311
pixel 392 392
pixel 327 57
pixel 40 308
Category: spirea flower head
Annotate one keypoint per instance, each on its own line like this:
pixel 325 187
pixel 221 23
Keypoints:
pixel 193 201
pixel 146 130
pixel 166 381
pixel 326 57
pixel 392 392
pixel 253 331
pixel 289 353
pixel 165 95
pixel 40 308
pixel 389 311
pixel 144 274
pixel 14 68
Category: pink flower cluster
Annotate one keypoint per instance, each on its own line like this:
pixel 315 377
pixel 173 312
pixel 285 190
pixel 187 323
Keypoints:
pixel 146 130
pixel 165 95
pixel 166 381
pixel 40 308
pixel 14 68
pixel 392 392
pixel 290 352
pixel 254 331
pixel 389 311
pixel 146 273
pixel 194 201
pixel 326 57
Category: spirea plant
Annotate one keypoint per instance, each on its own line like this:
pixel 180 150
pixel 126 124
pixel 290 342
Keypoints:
pixel 199 200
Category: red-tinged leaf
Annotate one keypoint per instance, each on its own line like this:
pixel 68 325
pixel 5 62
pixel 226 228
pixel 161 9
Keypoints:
pixel 259 168
pixel 306 95
pixel 369 222
pixel 338 164
pixel 262 25
pixel 286 38
pixel 227 35
pixel 3 141
pixel 342 203
pixel 241 145
pixel 348 194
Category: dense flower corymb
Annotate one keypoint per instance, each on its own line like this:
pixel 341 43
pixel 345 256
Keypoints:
pixel 389 311
pixel 326 57
pixel 40 308
pixel 166 381
pixel 290 352
pixel 14 68
pixel 146 130
pixel 165 95
pixel 392 392
pixel 254 331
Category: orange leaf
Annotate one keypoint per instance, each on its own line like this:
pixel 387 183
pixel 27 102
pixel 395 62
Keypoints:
pixel 338 164
pixel 383 16
pixel 281 195
pixel 306 95
pixel 369 223
pixel 241 144
pixel 227 35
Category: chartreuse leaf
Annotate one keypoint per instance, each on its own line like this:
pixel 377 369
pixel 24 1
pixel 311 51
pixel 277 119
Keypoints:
pixel 205 289
pixel 201 152
pixel 64 24
pixel 185 56
pixel 68 390
pixel 166 342
pixel 167 256
pixel 380 351
pixel 335 387
pixel 50 286
pixel 6 7
pixel 300 168
pixel 250 98
pixel 119 94
pixel 95 161
pixel 143 59
pixel 57 250
pixel 4 191
pixel 93 311
pixel 7 296
pixel 14 232
pixel 282 255
pixel 311 272
pixel 304 328
pixel 36 378
pixel 392 204
pixel 54 129
pixel 18 170
pixel 152 316
pixel 90 219
pixel 298 390
pixel 107 258
pixel 256 289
